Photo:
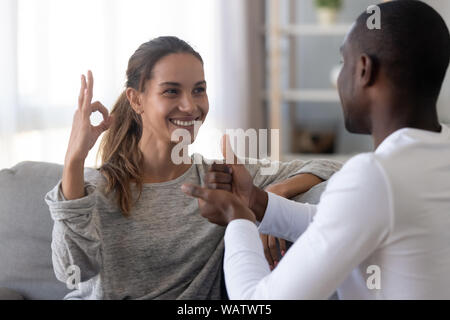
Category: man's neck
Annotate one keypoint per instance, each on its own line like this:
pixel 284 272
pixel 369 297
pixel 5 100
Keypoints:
pixel 386 123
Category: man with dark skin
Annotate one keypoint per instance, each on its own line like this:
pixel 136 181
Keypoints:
pixel 389 85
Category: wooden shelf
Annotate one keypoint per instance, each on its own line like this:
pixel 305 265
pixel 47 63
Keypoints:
pixel 311 95
pixel 316 30
pixel 311 156
pixel 308 95
pixel 312 30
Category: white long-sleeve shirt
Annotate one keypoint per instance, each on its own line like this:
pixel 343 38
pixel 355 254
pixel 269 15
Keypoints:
pixel 380 231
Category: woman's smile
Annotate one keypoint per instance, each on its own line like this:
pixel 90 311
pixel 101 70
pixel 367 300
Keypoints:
pixel 184 122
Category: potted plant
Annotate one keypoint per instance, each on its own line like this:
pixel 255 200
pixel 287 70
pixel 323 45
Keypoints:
pixel 327 11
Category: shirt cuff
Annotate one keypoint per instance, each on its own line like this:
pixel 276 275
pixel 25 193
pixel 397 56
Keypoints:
pixel 270 214
pixel 286 219
pixel 242 235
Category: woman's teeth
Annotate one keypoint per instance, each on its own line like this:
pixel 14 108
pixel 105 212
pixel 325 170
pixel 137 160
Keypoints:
pixel 183 123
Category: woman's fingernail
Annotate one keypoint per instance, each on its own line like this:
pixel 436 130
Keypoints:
pixel 282 253
pixel 276 263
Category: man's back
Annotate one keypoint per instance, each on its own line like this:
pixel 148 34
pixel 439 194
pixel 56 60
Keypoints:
pixel 414 259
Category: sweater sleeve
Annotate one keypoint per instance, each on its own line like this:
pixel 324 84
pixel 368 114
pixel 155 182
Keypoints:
pixel 76 239
pixel 265 172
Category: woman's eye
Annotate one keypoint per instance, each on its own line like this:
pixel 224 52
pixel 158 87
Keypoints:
pixel 170 92
pixel 199 90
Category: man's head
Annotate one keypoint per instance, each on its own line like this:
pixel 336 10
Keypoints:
pixel 406 59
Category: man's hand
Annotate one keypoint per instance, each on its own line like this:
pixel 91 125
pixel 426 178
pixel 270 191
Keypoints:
pixel 271 252
pixel 218 206
pixel 234 177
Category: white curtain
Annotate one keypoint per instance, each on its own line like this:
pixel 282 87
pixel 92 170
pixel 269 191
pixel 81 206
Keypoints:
pixel 48 44
pixel 8 79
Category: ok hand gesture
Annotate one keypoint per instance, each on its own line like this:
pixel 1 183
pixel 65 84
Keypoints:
pixel 84 134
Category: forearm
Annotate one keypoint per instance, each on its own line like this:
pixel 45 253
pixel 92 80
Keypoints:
pixel 294 186
pixel 73 180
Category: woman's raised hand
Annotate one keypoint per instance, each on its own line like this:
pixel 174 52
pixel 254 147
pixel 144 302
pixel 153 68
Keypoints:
pixel 84 135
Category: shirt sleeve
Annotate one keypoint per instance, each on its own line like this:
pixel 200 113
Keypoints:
pixel 285 218
pixel 265 172
pixel 75 236
pixel 352 219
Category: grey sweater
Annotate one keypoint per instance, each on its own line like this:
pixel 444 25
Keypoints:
pixel 164 250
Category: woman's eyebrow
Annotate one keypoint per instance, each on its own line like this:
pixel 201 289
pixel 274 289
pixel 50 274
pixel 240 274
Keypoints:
pixel 176 84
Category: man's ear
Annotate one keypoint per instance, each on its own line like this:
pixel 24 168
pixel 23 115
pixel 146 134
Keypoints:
pixel 365 70
pixel 134 99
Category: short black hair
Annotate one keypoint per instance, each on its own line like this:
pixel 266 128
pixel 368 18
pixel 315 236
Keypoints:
pixel 412 46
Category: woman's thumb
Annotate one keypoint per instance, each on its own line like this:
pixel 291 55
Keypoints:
pixel 195 191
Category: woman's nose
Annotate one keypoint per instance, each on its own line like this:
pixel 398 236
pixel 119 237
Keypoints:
pixel 188 104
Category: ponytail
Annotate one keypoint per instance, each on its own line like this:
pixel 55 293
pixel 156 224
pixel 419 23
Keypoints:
pixel 120 155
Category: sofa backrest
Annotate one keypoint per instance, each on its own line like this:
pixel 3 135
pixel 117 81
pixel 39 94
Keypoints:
pixel 26 230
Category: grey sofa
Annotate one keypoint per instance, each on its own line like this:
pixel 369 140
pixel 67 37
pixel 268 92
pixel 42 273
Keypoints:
pixel 26 270
pixel 25 232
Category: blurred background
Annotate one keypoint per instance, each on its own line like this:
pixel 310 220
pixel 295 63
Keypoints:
pixel 268 63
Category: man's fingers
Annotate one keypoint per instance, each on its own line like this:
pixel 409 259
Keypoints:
pixel 220 167
pixel 272 242
pixel 219 186
pixel 282 243
pixel 264 240
pixel 218 177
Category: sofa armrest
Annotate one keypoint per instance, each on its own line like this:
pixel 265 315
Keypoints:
pixel 8 294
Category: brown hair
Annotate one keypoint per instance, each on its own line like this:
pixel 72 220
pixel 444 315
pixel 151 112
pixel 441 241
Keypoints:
pixel 121 159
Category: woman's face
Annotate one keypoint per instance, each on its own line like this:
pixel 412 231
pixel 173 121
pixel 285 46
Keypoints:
pixel 174 97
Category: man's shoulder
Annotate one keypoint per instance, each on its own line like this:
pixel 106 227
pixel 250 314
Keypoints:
pixel 362 161
pixel 361 171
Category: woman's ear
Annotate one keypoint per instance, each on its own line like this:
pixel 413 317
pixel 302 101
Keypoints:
pixel 135 100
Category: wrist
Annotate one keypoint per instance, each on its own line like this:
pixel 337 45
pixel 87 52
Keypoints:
pixel 73 166
pixel 72 161
pixel 258 202
pixel 240 211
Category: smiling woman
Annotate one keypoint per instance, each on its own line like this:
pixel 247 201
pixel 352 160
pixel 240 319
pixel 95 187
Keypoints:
pixel 166 90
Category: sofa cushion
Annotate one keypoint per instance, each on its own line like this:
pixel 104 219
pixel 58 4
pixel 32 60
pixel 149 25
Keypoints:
pixel 26 230
pixel 8 294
